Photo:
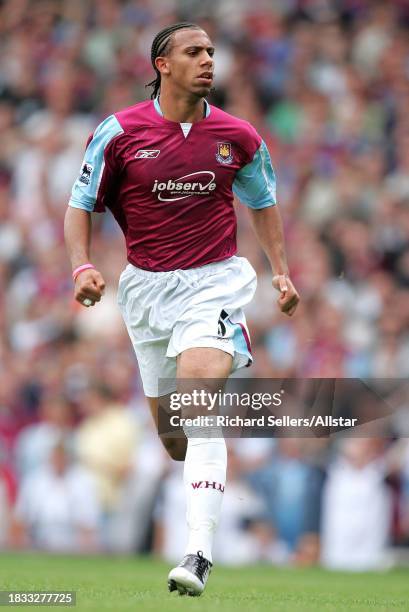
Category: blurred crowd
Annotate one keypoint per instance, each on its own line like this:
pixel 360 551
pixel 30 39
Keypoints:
pixel 326 84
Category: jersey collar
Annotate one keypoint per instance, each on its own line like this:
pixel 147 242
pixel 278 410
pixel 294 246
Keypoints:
pixel 159 110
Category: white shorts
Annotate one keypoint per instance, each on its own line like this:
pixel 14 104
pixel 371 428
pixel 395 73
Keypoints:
pixel 168 312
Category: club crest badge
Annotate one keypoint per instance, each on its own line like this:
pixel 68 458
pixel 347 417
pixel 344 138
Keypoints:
pixel 224 153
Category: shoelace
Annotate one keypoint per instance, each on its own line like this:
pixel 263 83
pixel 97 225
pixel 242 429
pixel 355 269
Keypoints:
pixel 201 565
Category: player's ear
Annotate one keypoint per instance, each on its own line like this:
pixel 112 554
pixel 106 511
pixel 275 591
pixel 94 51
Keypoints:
pixel 162 65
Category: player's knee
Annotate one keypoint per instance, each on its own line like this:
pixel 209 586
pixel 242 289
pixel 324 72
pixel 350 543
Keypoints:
pixel 203 363
pixel 176 448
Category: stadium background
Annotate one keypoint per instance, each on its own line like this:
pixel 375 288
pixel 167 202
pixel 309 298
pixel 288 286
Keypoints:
pixel 326 83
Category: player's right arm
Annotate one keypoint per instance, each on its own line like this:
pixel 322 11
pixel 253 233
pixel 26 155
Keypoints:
pixel 96 179
pixel 77 233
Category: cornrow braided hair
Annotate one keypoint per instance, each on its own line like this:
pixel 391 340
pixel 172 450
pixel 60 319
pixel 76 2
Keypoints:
pixel 161 46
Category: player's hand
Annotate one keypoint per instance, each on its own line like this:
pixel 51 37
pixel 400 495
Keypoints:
pixel 89 286
pixel 289 298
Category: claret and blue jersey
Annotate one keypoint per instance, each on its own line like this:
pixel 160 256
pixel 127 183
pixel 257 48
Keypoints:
pixel 170 186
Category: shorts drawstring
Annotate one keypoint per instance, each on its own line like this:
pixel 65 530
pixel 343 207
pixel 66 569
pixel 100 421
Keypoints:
pixel 179 274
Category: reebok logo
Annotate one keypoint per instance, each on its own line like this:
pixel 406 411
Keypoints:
pixel 208 484
pixel 147 153
pixel 199 183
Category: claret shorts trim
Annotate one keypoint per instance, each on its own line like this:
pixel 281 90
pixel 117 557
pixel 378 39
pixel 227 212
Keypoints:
pixel 168 312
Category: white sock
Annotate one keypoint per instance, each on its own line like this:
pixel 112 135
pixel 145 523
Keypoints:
pixel 205 478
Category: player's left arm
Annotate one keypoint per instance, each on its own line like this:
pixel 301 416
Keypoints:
pixel 255 186
pixel 269 231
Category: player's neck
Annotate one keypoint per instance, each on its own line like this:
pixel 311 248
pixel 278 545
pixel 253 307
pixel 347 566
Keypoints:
pixel 181 109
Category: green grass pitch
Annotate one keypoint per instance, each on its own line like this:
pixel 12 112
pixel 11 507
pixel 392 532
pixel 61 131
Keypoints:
pixel 122 584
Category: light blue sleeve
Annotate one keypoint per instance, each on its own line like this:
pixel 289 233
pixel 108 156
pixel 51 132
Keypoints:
pixel 85 190
pixel 255 184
